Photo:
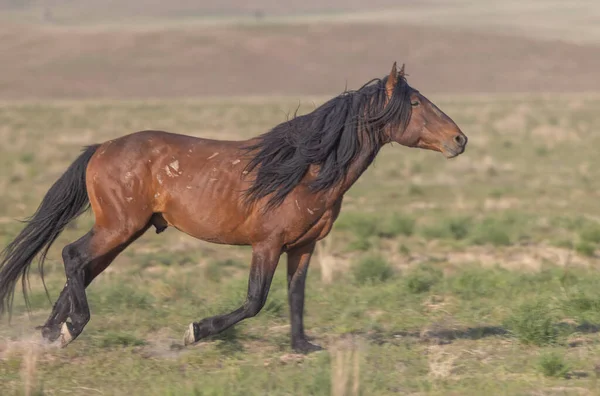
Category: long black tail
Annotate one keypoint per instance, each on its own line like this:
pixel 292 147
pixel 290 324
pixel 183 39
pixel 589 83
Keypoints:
pixel 65 200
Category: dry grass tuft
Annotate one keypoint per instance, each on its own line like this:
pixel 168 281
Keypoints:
pixel 345 368
pixel 326 259
pixel 441 363
pixel 29 368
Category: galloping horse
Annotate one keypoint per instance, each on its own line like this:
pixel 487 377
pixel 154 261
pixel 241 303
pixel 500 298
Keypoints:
pixel 278 192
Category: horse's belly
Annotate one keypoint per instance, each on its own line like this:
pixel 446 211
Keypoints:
pixel 209 217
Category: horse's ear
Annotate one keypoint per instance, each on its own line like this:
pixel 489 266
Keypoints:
pixel 392 80
pixel 401 74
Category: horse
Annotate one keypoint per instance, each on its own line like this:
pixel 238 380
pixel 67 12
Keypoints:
pixel 279 192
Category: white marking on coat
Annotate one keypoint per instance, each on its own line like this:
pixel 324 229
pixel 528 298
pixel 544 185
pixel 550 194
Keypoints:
pixel 310 211
pixel 213 156
pixel 237 161
pixel 128 199
pixel 159 178
pixel 172 169
pixel 297 204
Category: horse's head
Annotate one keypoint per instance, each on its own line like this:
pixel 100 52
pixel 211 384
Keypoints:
pixel 428 127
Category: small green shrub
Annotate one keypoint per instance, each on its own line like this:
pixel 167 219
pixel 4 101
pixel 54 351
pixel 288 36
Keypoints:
pixel 534 323
pixel 362 244
pixel 27 158
pixel 492 231
pixel 397 225
pixel 497 193
pixel 457 228
pixel 542 151
pixel 422 279
pixel 372 269
pixel 361 225
pixel 583 306
pixel 590 234
pixel 585 248
pixel 415 190
pixel 404 250
pixel 553 365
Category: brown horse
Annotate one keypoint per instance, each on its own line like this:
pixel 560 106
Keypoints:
pixel 279 192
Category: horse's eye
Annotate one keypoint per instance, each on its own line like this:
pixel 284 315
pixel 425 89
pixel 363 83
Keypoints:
pixel 415 103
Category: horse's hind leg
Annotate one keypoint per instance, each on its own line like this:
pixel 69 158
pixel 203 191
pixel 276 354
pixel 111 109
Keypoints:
pixel 264 263
pixel 84 260
pixel 60 310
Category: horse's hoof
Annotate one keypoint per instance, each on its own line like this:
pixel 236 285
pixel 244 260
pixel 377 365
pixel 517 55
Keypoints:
pixel 305 347
pixel 50 334
pixel 189 337
pixel 65 335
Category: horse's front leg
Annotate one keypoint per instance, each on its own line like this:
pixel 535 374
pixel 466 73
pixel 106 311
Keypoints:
pixel 265 258
pixel 298 260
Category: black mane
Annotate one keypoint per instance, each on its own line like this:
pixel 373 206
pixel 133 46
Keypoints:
pixel 328 137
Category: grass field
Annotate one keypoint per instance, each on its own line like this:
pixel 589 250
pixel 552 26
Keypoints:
pixel 463 277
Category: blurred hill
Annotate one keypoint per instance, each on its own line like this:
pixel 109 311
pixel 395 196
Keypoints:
pixel 151 48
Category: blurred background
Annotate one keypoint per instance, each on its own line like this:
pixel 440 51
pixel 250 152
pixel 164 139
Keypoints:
pixel 463 277
pixel 151 48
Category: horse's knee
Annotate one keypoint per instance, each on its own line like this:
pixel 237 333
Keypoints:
pixel 75 255
pixel 253 307
pixel 71 257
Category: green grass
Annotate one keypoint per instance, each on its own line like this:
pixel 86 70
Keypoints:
pixel 372 269
pixel 534 323
pixel 397 225
pixel 112 340
pixel 422 279
pixel 585 248
pixel 553 364
pixel 461 277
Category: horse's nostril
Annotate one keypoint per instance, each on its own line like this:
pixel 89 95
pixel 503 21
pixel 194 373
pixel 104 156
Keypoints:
pixel 460 140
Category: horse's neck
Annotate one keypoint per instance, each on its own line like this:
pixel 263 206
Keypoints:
pixel 359 166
